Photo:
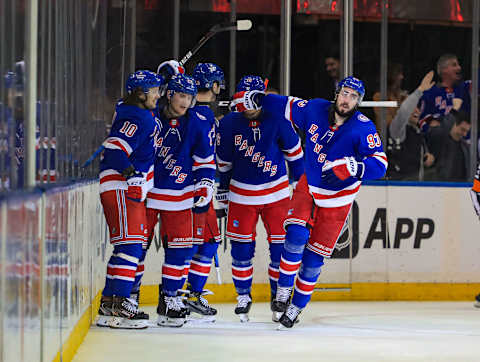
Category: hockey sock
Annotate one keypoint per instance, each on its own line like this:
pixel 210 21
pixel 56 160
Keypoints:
pixel 122 268
pixel 200 266
pixel 139 272
pixel 186 269
pixel 295 240
pixel 307 277
pixel 109 280
pixel 173 269
pixel 273 268
pixel 242 267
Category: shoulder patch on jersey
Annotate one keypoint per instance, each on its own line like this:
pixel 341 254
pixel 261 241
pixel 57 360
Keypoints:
pixel 202 117
pixel 363 118
pixel 302 103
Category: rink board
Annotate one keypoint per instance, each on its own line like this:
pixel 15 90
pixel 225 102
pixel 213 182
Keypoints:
pixel 413 243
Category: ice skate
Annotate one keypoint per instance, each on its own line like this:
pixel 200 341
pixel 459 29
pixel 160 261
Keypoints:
pixel 279 302
pixel 171 311
pixel 141 314
pixel 196 303
pixel 289 318
pixel 104 312
pixel 243 307
pixel 477 301
pixel 124 311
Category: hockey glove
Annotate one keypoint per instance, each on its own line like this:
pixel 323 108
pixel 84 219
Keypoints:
pixel 475 196
pixel 334 173
pixel 169 68
pixel 136 187
pixel 202 194
pixel 247 101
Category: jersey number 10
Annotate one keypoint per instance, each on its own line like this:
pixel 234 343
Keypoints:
pixel 128 129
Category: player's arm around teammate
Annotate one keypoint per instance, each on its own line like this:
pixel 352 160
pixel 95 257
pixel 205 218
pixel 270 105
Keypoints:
pixel 342 148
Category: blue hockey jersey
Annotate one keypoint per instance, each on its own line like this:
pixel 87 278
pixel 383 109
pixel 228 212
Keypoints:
pixel 184 157
pixel 438 101
pixel 253 154
pixel 204 109
pixel 357 137
pixel 131 141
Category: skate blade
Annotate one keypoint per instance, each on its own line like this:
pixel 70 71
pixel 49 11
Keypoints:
pixel 125 323
pixel 142 316
pixel 164 321
pixel 243 318
pixel 276 316
pixel 193 310
pixel 202 319
pixel 102 320
pixel 281 327
pixel 476 304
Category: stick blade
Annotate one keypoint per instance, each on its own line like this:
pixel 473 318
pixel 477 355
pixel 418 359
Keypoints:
pixel 244 25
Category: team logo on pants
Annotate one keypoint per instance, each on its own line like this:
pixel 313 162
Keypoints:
pixel 236 223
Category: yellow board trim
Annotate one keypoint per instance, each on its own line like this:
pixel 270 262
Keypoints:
pixel 225 293
pixel 76 337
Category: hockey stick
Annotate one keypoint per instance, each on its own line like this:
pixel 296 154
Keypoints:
pixel 239 25
pixel 217 268
pixel 384 104
pixel 93 156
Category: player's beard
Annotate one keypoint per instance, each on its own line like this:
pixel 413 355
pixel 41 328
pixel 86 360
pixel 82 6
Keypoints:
pixel 347 114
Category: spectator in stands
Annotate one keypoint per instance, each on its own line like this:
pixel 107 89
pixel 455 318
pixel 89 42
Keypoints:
pixel 448 145
pixel 438 101
pixel 407 150
pixel 394 93
pixel 332 67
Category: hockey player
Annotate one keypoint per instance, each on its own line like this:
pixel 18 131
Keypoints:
pixel 183 186
pixel 342 149
pixel 165 70
pixel 209 79
pixel 475 195
pixel 252 147
pixel 126 175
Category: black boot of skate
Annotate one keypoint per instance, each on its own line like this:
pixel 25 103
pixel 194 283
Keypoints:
pixel 198 304
pixel 104 311
pixel 171 311
pixel 141 314
pixel 279 302
pixel 124 311
pixel 289 318
pixel 243 307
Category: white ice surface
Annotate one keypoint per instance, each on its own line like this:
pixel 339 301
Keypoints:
pixel 328 331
